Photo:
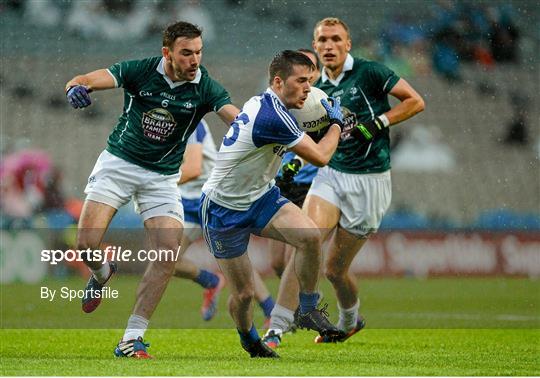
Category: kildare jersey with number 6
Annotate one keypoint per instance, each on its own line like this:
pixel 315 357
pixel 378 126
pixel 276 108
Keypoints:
pixel 159 114
pixel 251 153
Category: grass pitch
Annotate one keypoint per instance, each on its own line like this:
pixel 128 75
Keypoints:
pixel 415 327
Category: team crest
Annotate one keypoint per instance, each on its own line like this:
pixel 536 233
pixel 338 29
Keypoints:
pixel 349 120
pixel 158 124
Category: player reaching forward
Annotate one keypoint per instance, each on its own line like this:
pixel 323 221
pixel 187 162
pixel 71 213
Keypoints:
pixel 240 197
pixel 165 97
pixel 353 192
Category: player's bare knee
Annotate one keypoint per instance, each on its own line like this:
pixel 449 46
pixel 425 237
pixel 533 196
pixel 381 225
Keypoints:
pixel 310 239
pixel 244 296
pixel 163 268
pixel 85 243
pixel 334 275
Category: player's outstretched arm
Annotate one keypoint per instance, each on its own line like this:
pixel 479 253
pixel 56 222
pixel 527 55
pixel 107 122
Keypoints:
pixel 78 88
pixel 228 113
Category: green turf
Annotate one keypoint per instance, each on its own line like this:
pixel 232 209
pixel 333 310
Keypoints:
pixel 217 352
pixel 456 327
pixel 386 303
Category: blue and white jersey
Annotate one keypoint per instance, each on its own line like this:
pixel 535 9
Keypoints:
pixel 251 153
pixel 193 189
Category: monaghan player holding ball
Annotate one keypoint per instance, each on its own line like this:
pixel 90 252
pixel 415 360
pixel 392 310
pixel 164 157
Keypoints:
pixel 240 197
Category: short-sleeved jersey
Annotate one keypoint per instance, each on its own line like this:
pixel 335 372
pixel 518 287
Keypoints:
pixel 159 115
pixel 363 92
pixel 251 153
pixel 193 189
pixel 306 174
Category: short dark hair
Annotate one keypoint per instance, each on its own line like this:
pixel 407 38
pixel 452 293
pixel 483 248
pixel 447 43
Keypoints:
pixel 180 29
pixel 283 62
pixel 309 51
pixel 331 21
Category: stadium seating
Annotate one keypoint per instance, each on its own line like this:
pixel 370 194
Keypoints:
pixel 489 174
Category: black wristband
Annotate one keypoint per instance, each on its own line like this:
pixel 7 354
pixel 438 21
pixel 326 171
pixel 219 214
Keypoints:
pixel 366 131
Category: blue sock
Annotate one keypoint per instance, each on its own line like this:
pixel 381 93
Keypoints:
pixel 267 305
pixel 308 302
pixel 249 337
pixel 207 279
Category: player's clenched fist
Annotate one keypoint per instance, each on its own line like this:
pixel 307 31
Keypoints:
pixel 78 96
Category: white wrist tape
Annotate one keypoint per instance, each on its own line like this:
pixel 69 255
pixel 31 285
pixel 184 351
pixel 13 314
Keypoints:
pixel 384 120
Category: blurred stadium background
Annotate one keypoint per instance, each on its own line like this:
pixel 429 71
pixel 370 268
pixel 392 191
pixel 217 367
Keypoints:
pixel 466 177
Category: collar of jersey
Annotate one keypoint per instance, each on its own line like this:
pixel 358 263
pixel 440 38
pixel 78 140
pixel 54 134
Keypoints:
pixel 174 84
pixel 347 66
pixel 273 94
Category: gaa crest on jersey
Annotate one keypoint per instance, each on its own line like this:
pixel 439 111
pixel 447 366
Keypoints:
pixel 158 124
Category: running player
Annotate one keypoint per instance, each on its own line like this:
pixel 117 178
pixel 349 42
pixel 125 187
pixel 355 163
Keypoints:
pixel 240 197
pixel 199 160
pixel 165 97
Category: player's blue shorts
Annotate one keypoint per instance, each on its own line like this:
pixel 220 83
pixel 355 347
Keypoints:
pixel 191 210
pixel 227 231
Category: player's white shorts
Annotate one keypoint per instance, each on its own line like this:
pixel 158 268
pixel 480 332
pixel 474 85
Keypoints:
pixel 362 198
pixel 114 182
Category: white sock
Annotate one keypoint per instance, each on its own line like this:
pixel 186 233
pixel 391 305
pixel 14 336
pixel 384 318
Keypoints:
pixel 276 331
pixel 348 317
pixel 281 318
pixel 136 327
pixel 102 273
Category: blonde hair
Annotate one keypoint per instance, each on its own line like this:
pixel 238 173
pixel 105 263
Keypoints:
pixel 331 21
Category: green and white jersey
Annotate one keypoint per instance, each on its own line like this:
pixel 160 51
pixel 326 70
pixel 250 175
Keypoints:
pixel 363 88
pixel 159 115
